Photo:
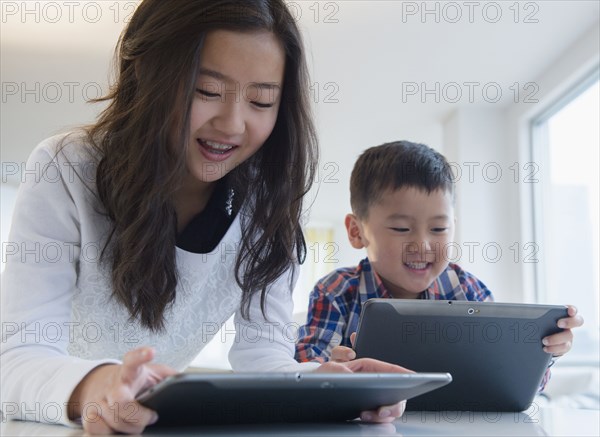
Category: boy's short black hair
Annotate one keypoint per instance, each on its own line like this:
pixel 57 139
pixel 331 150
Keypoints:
pixel 396 165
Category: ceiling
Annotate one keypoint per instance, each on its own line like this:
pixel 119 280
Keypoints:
pixel 370 60
pixel 364 47
pixel 391 48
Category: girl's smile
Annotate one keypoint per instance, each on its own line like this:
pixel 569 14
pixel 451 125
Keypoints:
pixel 236 103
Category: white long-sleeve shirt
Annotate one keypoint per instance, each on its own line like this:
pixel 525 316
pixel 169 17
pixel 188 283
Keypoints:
pixel 59 320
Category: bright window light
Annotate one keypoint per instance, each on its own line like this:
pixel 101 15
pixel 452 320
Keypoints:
pixel 566 147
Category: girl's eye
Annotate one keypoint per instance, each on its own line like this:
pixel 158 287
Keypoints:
pixel 439 229
pixel 400 229
pixel 262 105
pixel 206 93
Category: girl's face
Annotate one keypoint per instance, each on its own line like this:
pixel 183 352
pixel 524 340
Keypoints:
pixel 236 101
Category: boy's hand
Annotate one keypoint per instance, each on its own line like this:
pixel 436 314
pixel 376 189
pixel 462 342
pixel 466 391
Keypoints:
pixel 342 361
pixel 343 354
pixel 560 343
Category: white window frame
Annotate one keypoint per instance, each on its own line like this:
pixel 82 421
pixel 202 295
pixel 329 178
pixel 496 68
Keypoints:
pixel 539 152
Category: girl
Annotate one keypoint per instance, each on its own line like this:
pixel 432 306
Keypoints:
pixel 178 208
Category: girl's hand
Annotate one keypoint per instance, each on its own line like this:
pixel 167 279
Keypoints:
pixel 105 398
pixel 560 343
pixel 343 360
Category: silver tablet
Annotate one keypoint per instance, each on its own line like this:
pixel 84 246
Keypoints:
pixel 213 399
pixel 493 350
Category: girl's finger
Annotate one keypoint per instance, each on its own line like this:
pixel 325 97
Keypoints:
pixel 127 417
pixel 133 360
pixel 373 417
pixel 95 418
pixel 162 371
pixel 130 411
pixel 393 411
pixel 333 367
pixel 375 366
pixel 97 427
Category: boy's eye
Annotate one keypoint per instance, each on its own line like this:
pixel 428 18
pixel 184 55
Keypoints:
pixel 206 93
pixel 439 229
pixel 400 229
pixel 262 105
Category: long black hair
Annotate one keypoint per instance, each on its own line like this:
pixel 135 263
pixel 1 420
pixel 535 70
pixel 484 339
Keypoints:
pixel 142 138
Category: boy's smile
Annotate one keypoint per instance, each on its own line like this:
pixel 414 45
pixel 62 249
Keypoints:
pixel 406 235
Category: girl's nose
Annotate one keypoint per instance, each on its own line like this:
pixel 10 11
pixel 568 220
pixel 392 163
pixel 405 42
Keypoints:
pixel 230 119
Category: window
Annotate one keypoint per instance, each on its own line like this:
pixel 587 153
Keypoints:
pixel 321 259
pixel 565 147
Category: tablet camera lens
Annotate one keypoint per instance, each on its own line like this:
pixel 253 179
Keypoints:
pixel 470 311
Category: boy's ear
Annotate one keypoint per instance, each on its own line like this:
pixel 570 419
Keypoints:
pixel 354 231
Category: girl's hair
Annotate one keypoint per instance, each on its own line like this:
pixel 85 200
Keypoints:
pixel 396 165
pixel 142 137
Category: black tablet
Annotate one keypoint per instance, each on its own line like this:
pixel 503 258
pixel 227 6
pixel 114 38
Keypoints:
pixel 493 350
pixel 232 398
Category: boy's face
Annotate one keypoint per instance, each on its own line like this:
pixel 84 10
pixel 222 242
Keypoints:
pixel 406 235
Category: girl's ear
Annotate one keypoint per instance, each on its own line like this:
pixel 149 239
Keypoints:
pixel 354 231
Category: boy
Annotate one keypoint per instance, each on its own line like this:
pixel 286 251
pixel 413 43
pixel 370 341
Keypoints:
pixel 402 198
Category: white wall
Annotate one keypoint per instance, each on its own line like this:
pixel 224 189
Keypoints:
pixel 367 107
pixel 568 70
pixel 369 54
pixel 494 209
pixel 475 144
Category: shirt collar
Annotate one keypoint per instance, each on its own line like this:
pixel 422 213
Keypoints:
pixel 370 285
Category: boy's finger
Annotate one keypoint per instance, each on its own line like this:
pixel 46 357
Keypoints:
pixel 353 338
pixel 342 354
pixel 570 322
pixel 558 338
pixel 571 310
pixel 559 349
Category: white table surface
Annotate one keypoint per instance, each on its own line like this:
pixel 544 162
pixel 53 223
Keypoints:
pixel 540 422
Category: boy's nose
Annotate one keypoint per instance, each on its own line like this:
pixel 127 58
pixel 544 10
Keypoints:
pixel 421 247
pixel 425 246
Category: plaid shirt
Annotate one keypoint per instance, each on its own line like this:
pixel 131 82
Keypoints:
pixel 336 301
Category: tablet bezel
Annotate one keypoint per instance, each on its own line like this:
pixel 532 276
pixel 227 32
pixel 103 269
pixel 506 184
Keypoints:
pixel 489 374
pixel 231 398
